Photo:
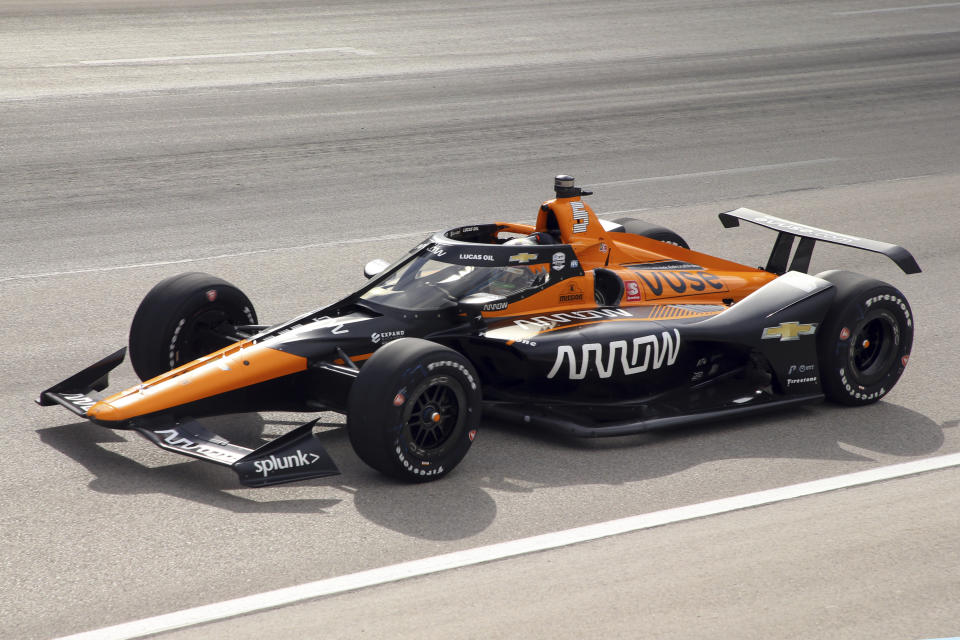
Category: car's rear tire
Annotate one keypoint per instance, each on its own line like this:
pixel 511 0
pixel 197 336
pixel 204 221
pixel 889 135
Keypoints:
pixel 652 231
pixel 414 410
pixel 865 341
pixel 182 318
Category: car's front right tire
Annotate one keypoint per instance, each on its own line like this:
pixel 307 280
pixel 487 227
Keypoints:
pixel 414 410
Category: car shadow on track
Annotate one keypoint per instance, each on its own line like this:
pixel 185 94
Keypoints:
pixel 515 459
pixel 505 458
pixel 816 432
pixel 195 480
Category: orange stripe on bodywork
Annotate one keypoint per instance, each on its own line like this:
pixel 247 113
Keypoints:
pixel 240 365
pixel 581 324
pixel 535 332
pixel 359 358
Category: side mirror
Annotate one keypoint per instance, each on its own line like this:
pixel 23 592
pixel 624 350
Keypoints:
pixel 375 267
pixel 476 303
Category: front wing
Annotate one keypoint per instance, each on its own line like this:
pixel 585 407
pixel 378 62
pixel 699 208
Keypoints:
pixel 297 455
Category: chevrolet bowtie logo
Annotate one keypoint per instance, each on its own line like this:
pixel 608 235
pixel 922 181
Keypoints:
pixel 523 258
pixel 789 331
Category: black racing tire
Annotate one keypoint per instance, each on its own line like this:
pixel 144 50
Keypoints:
pixel 414 410
pixel 652 231
pixel 176 321
pixel 865 341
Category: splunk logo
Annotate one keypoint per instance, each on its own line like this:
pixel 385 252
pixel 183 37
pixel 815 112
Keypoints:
pixel 642 354
pixel 273 463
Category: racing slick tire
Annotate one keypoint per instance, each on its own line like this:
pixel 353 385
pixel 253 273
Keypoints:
pixel 182 318
pixel 864 343
pixel 652 231
pixel 414 409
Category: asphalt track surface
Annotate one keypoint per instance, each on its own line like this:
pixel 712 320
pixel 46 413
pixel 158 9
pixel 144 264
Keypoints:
pixel 281 145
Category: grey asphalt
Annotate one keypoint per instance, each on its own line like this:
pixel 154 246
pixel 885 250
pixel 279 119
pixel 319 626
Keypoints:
pixel 138 140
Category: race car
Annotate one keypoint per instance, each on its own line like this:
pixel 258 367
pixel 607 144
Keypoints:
pixel 590 326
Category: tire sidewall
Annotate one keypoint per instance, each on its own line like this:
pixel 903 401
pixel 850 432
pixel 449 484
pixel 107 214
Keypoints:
pixel 873 302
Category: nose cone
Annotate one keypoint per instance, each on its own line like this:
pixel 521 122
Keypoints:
pixel 104 412
pixel 227 370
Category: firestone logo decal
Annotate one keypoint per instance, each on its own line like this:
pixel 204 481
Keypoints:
pixel 858 391
pixel 456 365
pixel 420 471
pixel 894 300
pixel 644 353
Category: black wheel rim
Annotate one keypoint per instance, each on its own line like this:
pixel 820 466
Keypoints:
pixel 434 415
pixel 873 349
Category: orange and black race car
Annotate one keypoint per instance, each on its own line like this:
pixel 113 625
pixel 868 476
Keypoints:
pixel 593 327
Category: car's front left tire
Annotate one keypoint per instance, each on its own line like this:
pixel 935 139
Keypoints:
pixel 184 317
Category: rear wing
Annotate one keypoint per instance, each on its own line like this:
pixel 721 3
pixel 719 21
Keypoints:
pixel 788 230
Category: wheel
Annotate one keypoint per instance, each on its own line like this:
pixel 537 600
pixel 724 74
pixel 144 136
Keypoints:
pixel 182 318
pixel 864 343
pixel 652 231
pixel 414 409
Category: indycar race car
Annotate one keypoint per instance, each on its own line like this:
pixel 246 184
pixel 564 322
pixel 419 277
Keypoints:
pixel 589 326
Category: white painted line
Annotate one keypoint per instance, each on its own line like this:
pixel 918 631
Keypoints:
pixel 214 56
pixel 718 172
pixel 942 5
pixel 468 557
pixel 239 254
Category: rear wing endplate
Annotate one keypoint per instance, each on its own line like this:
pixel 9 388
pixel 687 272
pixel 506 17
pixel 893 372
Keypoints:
pixel 788 231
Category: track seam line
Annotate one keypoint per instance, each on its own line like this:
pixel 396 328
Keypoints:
pixel 252 252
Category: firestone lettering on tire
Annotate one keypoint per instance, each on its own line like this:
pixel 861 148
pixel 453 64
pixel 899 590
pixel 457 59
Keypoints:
pixel 173 341
pixel 857 391
pixel 414 469
pixel 456 365
pixel 664 350
pixel 896 301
